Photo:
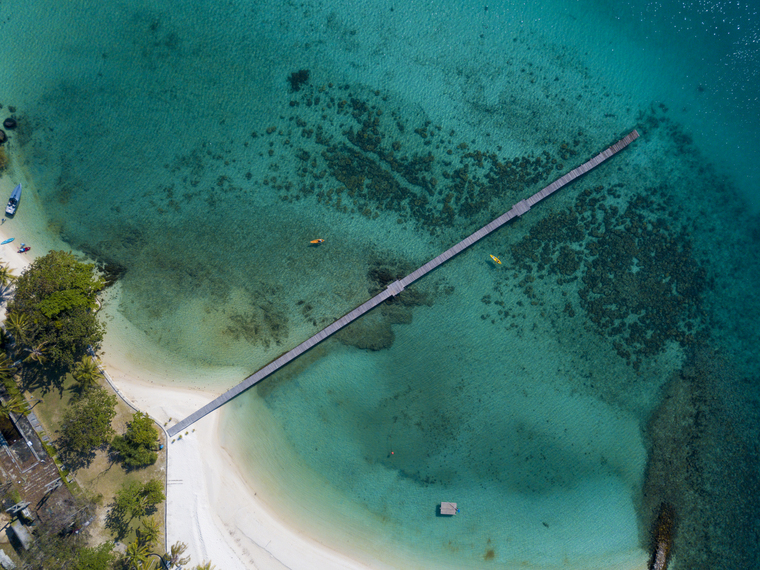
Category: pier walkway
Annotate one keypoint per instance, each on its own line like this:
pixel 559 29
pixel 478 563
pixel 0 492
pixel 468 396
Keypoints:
pixel 397 286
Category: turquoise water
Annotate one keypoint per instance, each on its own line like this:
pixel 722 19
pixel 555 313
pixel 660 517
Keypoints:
pixel 607 366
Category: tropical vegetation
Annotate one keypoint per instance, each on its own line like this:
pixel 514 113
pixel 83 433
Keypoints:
pixel 137 446
pixel 87 425
pixel 49 336
pixel 87 373
pixel 54 306
pixel 6 276
pixel 133 500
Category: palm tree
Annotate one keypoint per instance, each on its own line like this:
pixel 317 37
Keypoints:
pixel 6 275
pixel 17 324
pixel 136 555
pixel 174 556
pixel 14 405
pixel 205 566
pixel 7 368
pixel 148 532
pixel 87 372
pixel 37 354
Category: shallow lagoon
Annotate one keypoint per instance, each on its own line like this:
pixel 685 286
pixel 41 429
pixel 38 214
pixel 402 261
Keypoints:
pixel 546 412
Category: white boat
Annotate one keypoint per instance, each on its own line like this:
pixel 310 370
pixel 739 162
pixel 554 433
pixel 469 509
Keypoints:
pixel 10 209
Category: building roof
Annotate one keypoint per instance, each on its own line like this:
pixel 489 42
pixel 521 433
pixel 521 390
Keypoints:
pixel 22 534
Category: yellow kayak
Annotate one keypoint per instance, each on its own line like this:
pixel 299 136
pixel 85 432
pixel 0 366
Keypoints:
pixel 496 259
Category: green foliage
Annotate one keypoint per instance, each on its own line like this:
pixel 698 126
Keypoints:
pixel 6 275
pixel 54 305
pixel 14 400
pixel 37 353
pixel 133 456
pixel 149 531
pixel 174 556
pixel 60 301
pixel 87 425
pixel 14 495
pixel 153 491
pixel 7 370
pixel 50 550
pixel 95 558
pixel 18 325
pixel 128 499
pixel 136 446
pixel 133 500
pixel 86 373
pixel 13 405
pixel 136 555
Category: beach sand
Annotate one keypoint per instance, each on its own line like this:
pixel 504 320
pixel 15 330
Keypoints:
pixel 210 505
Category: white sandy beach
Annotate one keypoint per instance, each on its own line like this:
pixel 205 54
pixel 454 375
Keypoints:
pixel 210 505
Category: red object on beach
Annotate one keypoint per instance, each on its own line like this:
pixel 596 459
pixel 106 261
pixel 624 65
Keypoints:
pixel 24 249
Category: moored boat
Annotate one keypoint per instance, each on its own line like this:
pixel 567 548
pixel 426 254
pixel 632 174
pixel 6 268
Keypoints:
pixel 10 209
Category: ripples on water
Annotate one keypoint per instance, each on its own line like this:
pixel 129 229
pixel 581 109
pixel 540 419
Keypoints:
pixel 169 142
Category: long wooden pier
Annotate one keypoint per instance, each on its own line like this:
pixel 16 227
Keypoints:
pixel 397 286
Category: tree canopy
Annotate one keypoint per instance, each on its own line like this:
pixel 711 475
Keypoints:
pixel 133 500
pixel 87 424
pixel 136 446
pixel 95 558
pixel 86 373
pixel 55 301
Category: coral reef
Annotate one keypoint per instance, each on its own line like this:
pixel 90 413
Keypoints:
pixel 639 282
pixel 359 158
pixel 373 331
pixel 703 462
pixel 297 79
pixel 264 323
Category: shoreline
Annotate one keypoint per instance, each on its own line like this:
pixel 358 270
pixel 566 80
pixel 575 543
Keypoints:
pixel 214 510
pixel 191 516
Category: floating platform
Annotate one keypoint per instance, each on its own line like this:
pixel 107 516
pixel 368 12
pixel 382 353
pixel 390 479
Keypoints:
pixel 449 509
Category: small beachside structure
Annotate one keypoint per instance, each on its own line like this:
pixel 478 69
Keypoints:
pixel 449 508
pixel 6 562
pixel 24 538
